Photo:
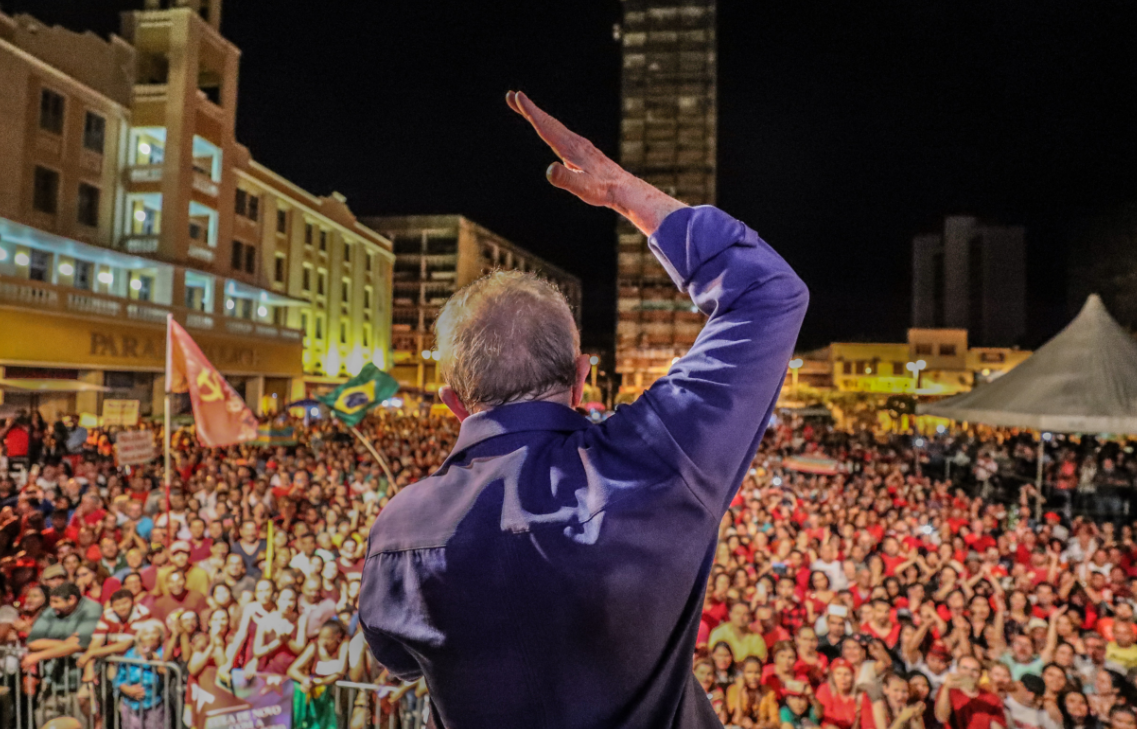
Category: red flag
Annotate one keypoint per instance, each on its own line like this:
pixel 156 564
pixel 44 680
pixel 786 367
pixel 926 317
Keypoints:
pixel 221 416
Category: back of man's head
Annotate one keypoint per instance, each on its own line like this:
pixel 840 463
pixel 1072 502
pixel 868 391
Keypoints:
pixel 507 337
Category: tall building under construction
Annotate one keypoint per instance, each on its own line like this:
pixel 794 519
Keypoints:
pixel 667 137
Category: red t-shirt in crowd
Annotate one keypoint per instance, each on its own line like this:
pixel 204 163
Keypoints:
pixel 840 711
pixel 976 712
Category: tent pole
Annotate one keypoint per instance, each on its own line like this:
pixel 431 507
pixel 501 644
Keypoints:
pixel 1038 479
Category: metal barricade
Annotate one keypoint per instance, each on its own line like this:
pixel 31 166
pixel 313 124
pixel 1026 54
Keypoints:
pixel 361 706
pixel 54 688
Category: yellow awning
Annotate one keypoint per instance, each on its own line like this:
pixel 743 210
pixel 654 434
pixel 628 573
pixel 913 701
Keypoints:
pixel 36 385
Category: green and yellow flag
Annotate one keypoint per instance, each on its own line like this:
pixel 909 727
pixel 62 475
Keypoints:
pixel 352 400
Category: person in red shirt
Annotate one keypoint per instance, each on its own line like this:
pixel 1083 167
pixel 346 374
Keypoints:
pixel 881 625
pixel 838 702
pixel 961 704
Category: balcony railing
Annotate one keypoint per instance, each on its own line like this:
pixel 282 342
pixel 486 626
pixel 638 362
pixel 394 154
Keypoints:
pixel 203 184
pixel 144 173
pixel 141 243
pixel 45 297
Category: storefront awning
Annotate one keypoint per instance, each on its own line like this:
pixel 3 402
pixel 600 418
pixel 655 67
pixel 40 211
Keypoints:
pixel 47 385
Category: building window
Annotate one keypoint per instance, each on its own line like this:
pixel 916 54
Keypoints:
pixel 366 337
pixel 367 298
pixel 279 269
pixel 238 256
pixel 143 288
pixel 250 259
pixel 323 240
pixel 88 204
pixel 242 204
pixel 304 324
pixel 39 263
pixel 306 279
pixel 369 257
pixel 343 332
pixel 347 252
pixel 254 208
pixel 320 328
pixel 947 350
pixel 50 111
pixel 82 278
pixel 94 132
pixel 846 368
pixel 924 349
pixel 307 234
pixel 321 283
pixel 345 291
pixel 246 308
pixel 45 191
pixel 281 221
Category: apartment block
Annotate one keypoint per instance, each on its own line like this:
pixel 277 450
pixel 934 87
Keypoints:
pixel 132 199
pixel 973 277
pixel 435 255
pixel 667 137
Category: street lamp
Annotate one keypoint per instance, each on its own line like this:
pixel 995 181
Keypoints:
pixel 594 360
pixel 916 368
pixel 795 365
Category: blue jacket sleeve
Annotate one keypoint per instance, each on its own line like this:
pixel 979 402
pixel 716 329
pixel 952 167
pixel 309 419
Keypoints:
pixel 706 417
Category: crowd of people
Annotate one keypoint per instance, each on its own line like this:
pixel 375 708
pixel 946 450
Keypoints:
pixel 887 597
pixel 253 567
pixel 882 597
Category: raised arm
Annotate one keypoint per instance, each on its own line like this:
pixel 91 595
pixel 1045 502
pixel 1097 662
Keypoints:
pixel 705 417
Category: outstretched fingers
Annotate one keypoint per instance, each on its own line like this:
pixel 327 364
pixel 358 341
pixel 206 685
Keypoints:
pixel 568 145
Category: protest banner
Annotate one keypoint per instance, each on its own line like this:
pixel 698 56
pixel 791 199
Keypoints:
pixel 134 447
pixel 259 701
pixel 120 412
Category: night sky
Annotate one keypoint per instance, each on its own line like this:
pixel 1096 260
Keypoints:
pixel 844 128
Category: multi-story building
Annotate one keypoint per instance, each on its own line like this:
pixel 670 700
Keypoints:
pixel 931 362
pixel 972 277
pixel 435 255
pixel 667 137
pixel 131 199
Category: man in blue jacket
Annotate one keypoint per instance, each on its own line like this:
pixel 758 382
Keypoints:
pixel 551 573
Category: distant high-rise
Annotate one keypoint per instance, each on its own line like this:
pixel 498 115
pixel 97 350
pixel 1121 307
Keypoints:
pixel 971 277
pixel 667 133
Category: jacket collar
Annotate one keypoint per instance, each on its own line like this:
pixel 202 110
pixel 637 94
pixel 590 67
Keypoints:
pixel 516 418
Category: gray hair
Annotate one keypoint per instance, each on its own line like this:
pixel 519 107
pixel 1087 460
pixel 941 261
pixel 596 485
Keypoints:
pixel 507 337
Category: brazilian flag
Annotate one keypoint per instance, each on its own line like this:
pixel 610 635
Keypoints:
pixel 350 401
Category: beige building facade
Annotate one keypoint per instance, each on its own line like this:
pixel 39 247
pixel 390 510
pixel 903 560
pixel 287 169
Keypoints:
pixel 435 255
pixel 134 200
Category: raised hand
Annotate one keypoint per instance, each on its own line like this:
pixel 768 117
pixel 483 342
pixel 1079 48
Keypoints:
pixel 587 172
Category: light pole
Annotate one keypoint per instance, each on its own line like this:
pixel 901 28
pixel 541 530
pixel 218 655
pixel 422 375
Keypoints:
pixel 795 365
pixel 916 368
pixel 594 360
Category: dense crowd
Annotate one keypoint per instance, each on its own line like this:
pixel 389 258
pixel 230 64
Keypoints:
pixel 882 597
pixel 93 564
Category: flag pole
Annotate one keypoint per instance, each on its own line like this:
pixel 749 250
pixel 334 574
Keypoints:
pixel 166 478
pixel 382 461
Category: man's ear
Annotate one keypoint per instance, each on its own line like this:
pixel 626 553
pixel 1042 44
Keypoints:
pixel 583 367
pixel 450 399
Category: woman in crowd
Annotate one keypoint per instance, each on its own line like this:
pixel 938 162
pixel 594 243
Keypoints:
pixel 322 662
pixel 750 704
pixel 280 636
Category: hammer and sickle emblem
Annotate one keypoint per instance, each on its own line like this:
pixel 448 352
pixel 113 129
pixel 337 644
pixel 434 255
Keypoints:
pixel 210 386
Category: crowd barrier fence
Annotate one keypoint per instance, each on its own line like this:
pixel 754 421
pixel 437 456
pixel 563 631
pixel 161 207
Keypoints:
pixel 55 688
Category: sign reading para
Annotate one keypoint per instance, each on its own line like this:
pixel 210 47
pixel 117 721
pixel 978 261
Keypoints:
pixel 120 412
pixel 134 447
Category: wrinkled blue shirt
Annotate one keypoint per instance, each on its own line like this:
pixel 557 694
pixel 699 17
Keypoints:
pixel 551 573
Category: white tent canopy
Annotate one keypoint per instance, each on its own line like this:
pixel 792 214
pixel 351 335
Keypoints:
pixel 1084 380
